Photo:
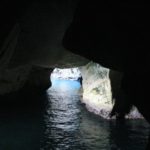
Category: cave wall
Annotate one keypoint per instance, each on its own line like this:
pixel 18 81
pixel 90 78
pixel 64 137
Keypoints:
pixel 102 93
pixel 38 79
pixel 42 29
pixel 11 79
pixel 113 33
pixel 96 89
pixel 33 78
pixel 32 37
pixel 37 40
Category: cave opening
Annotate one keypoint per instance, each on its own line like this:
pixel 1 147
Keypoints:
pixel 66 79
pixel 99 87
pixel 69 124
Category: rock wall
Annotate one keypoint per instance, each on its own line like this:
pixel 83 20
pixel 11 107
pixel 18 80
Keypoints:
pixel 25 77
pixel 38 79
pixel 35 40
pixel 12 80
pixel 96 89
pixel 100 87
pixel 68 74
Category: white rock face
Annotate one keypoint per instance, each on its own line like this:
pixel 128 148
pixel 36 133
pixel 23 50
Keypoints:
pixel 96 89
pixel 69 74
pixel 97 94
pixel 134 114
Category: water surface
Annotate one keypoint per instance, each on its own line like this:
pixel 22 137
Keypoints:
pixel 68 125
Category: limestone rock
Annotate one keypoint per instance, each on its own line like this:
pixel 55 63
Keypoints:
pixel 96 89
pixel 98 86
pixel 68 74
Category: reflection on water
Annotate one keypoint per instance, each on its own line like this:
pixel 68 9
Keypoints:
pixel 68 126
pixel 62 117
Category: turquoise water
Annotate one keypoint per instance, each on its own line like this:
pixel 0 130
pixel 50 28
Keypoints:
pixel 65 85
pixel 68 125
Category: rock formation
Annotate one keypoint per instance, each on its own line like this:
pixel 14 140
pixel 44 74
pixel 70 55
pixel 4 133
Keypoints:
pixel 101 89
pixel 67 74
pixel 115 35
pixel 30 44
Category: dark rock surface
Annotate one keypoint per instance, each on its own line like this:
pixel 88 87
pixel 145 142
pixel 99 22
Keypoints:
pixel 115 34
pixel 31 35
pixel 38 79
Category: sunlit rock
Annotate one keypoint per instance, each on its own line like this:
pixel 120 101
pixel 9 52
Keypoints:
pixel 68 74
pixel 97 91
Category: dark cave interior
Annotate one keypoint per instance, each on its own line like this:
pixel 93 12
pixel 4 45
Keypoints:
pixel 111 33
